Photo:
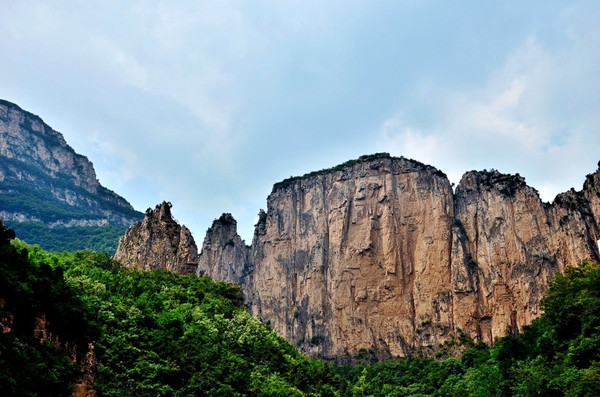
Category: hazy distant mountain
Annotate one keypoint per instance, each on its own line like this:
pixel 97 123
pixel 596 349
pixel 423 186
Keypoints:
pixel 49 194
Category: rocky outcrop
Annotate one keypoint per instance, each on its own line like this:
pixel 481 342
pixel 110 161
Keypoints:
pixel 507 248
pixel 26 138
pixel 42 178
pixel 224 255
pixel 352 259
pixel 378 255
pixel 158 242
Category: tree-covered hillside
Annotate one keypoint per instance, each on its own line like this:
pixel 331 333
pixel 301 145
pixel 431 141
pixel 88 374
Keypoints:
pixel 61 238
pixel 161 334
pixel 36 299
pixel 164 334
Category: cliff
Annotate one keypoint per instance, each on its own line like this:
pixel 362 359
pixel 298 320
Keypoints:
pixel 224 256
pixel 43 180
pixel 353 258
pixel 507 247
pixel 158 242
pixel 379 256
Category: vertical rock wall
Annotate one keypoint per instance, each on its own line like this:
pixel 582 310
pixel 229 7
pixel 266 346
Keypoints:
pixel 378 256
pixel 353 259
pixel 224 256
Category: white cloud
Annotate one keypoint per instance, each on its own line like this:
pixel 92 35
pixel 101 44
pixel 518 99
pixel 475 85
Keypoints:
pixel 516 122
pixel 215 100
pixel 119 163
pixel 399 138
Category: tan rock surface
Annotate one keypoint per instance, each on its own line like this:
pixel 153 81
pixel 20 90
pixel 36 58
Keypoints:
pixel 353 259
pixel 378 256
pixel 158 242
pixel 224 256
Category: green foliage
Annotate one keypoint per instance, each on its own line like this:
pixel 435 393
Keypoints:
pixel 30 195
pixel 29 293
pixel 163 334
pixel 55 200
pixel 559 353
pixel 407 377
pixel 74 238
pixel 30 367
pixel 169 334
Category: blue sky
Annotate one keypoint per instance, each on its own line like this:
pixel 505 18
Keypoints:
pixel 208 103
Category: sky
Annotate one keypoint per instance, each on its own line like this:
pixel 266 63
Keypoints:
pixel 207 104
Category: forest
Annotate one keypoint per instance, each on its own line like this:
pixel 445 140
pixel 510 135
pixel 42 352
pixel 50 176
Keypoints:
pixel 69 238
pixel 164 334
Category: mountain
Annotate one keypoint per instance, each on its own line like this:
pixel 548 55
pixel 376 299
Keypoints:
pixel 379 255
pixel 49 194
pixel 158 242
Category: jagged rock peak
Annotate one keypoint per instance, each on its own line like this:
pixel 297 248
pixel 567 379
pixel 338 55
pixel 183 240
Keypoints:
pixel 225 219
pixel 224 255
pixel 377 159
pixel 158 242
pixel 162 212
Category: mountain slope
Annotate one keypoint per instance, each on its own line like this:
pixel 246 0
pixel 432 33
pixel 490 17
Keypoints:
pixel 46 187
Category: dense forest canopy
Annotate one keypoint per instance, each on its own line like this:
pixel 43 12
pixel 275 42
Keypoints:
pixel 164 334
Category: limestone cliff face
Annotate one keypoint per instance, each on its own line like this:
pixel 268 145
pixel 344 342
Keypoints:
pixel 353 259
pixel 25 137
pixel 43 179
pixel 379 255
pixel 224 255
pixel 507 246
pixel 158 242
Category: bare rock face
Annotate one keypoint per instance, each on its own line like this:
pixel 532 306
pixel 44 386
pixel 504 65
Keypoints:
pixel 25 137
pixel 353 259
pixel 508 245
pixel 158 242
pixel 378 256
pixel 224 255
pixel 505 260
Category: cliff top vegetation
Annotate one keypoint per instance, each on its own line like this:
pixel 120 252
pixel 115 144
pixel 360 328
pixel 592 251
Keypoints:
pixel 362 159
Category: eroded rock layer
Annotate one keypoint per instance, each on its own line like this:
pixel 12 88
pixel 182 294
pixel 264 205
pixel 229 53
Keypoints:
pixel 42 179
pixel 353 259
pixel 158 242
